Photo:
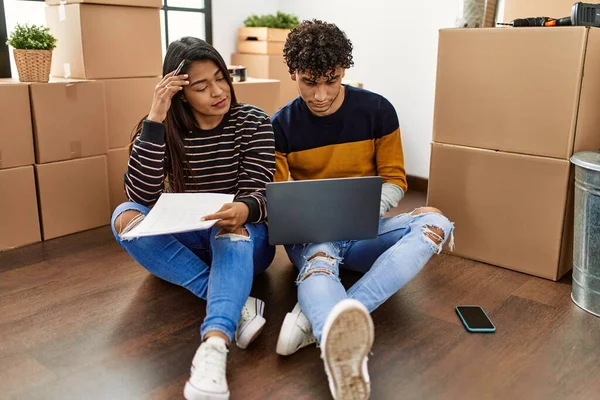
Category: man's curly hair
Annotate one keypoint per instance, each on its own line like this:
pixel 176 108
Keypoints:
pixel 318 48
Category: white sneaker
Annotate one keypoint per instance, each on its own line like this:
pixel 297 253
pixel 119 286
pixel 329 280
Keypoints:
pixel 208 379
pixel 295 333
pixel 251 322
pixel 348 336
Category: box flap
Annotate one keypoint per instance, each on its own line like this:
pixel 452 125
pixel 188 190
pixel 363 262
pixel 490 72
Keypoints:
pixel 127 102
pixel 506 89
pixel 16 138
pixel 132 47
pixel 67 57
pixel 19 212
pixel 73 196
pixel 117 166
pixel 588 119
pixel 70 120
pixel 508 209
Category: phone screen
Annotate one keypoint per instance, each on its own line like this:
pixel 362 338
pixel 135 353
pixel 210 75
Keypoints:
pixel 474 317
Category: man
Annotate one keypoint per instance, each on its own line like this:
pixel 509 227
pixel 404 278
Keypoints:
pixel 331 131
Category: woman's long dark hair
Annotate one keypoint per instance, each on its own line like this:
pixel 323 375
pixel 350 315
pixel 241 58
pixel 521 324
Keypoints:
pixel 180 118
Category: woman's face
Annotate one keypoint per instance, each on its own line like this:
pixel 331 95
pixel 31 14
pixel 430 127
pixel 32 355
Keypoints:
pixel 208 92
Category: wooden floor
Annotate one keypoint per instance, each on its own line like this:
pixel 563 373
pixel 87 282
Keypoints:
pixel 80 320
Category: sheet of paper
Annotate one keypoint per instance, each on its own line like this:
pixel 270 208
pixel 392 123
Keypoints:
pixel 179 212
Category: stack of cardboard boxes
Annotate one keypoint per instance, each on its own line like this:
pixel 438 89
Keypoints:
pixel 116 44
pixel 53 144
pixel 19 222
pixel 512 105
pixel 260 50
pixel 69 126
pixel 64 144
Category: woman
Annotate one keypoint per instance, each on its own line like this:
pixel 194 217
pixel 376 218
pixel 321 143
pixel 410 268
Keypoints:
pixel 198 138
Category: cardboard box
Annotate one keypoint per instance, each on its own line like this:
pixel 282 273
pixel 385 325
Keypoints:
pixel 256 47
pixel 497 89
pixel 73 196
pixel 514 9
pixel 263 34
pixel 262 93
pixel 16 132
pixel 117 166
pixel 261 40
pixel 99 41
pixel 136 3
pixel 69 120
pixel 20 224
pixel 263 66
pixel 127 102
pixel 509 210
pixel 351 82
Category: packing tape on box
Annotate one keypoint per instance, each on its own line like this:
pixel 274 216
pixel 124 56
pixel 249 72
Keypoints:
pixel 0 159
pixel 71 91
pixel 76 149
pixel 62 12
pixel 67 70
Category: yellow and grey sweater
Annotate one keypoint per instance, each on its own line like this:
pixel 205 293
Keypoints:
pixel 362 138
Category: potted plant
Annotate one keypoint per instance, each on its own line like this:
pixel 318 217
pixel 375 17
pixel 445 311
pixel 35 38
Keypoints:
pixel 268 27
pixel 265 34
pixel 32 48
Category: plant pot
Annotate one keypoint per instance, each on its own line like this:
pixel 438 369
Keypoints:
pixel 33 65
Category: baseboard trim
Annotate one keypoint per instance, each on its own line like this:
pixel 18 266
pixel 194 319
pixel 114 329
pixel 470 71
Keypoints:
pixel 417 184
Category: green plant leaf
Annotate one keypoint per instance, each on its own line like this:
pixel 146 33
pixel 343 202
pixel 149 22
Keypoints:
pixel 279 20
pixel 31 37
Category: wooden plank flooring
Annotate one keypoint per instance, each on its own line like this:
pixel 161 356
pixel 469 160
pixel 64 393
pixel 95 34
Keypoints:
pixel 80 320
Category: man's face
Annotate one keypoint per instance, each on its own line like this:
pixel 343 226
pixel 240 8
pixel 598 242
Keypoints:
pixel 321 95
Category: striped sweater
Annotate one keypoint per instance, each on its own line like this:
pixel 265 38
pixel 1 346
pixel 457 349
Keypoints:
pixel 237 157
pixel 362 138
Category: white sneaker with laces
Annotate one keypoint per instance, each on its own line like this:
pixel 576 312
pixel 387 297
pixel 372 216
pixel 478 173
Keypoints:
pixel 348 336
pixel 295 333
pixel 208 379
pixel 251 322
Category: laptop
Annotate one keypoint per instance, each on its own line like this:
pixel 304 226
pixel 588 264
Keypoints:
pixel 323 210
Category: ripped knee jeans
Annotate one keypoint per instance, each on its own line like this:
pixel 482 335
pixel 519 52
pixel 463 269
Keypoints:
pixel 216 266
pixel 404 246
pixel 321 258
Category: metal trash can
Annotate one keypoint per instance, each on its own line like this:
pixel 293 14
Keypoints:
pixel 586 244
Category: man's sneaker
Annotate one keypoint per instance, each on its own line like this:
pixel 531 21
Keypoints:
pixel 295 333
pixel 208 380
pixel 251 322
pixel 348 336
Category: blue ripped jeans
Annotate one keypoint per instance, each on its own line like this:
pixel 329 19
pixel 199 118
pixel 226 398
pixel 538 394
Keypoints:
pixel 405 244
pixel 216 267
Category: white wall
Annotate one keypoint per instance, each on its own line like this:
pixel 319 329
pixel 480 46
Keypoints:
pixel 23 12
pixel 395 50
pixel 395 54
pixel 229 15
pixel 500 11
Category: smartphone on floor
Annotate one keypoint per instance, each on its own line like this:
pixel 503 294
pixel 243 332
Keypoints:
pixel 475 319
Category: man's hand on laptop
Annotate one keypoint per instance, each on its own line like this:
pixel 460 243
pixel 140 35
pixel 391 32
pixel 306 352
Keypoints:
pixel 231 217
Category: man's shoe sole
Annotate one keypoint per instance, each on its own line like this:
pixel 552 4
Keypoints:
pixel 348 341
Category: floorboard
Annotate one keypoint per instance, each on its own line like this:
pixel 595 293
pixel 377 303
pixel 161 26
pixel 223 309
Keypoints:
pixel 80 320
